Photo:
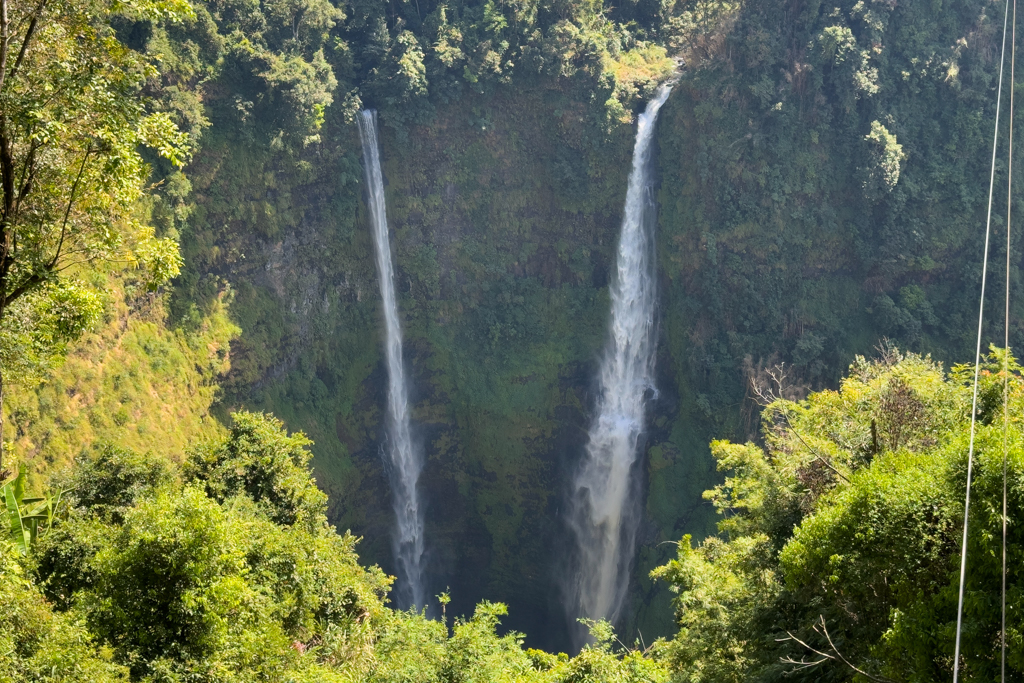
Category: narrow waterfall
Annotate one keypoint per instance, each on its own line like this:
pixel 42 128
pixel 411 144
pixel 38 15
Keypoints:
pixel 604 510
pixel 402 460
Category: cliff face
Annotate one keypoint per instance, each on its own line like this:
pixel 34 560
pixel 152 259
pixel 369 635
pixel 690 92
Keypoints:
pixel 821 189
pixel 504 215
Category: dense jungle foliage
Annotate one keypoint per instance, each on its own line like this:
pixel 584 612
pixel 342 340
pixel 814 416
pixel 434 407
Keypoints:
pixel 821 188
pixel 837 559
pixel 225 569
pixel 838 556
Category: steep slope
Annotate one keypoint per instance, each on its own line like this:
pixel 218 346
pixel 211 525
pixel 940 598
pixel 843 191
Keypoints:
pixel 132 382
pixel 816 196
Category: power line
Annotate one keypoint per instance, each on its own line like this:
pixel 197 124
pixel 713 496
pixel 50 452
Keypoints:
pixel 1006 343
pixel 977 355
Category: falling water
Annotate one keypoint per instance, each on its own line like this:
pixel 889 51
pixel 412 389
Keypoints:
pixel 604 511
pixel 402 461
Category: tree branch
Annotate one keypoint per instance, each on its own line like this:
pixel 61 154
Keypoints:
pixel 67 211
pixel 836 656
pixel 818 456
pixel 29 283
pixel 801 663
pixel 28 35
pixel 33 22
pixel 7 187
pixel 28 172
pixel 768 396
pixel 7 170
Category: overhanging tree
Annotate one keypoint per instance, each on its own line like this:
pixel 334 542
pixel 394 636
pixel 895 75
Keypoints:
pixel 72 123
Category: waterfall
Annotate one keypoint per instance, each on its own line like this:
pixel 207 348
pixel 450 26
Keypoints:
pixel 402 461
pixel 604 510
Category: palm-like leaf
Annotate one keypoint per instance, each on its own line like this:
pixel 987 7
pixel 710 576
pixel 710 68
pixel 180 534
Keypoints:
pixel 26 515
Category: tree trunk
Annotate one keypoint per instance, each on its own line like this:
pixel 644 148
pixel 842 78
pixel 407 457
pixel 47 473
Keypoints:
pixel 3 472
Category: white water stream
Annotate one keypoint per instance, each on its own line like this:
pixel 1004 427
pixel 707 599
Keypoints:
pixel 402 460
pixel 604 509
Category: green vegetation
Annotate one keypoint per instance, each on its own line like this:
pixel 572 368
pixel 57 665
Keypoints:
pixel 26 516
pixel 820 190
pixel 839 546
pixel 130 381
pixel 71 127
pixel 498 135
pixel 226 569
pixel 837 558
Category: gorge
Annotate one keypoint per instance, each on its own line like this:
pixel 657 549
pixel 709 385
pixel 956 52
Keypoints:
pixel 477 421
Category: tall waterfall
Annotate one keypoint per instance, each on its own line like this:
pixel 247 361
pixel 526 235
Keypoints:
pixel 402 460
pixel 604 510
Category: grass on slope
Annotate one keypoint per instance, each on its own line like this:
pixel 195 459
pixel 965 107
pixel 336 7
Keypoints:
pixel 131 381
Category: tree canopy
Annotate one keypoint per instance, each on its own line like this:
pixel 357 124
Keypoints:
pixel 231 573
pixel 838 554
pixel 72 121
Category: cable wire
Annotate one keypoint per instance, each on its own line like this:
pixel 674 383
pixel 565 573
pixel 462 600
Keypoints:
pixel 1006 342
pixel 977 355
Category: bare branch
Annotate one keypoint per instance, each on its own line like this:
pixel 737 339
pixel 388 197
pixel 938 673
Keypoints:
pixel 805 645
pixel 835 656
pixel 824 629
pixel 765 392
pixel 801 664
pixel 888 352
pixel 769 394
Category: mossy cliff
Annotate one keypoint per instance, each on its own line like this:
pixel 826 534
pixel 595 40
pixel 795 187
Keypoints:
pixel 502 258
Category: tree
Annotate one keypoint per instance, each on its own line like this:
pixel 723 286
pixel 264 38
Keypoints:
pixel 72 122
pixel 227 570
pixel 183 585
pixel 40 645
pixel 839 551
pixel 263 461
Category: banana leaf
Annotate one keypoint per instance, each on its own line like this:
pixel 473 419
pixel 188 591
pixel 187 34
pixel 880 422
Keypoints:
pixel 26 516
pixel 13 492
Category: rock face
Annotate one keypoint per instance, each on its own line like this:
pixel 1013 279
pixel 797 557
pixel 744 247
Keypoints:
pixel 501 270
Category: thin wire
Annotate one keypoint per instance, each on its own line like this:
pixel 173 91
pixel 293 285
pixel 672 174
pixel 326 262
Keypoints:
pixel 1006 340
pixel 977 355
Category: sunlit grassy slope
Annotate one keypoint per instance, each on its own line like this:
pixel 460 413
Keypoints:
pixel 132 381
